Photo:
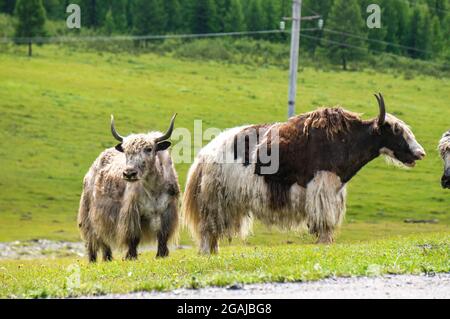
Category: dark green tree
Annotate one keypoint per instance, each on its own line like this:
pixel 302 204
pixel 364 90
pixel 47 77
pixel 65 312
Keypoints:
pixel 93 12
pixel 437 39
pixel 7 6
pixel 188 12
pixel 174 15
pixel 129 13
pixel 234 18
pixel 221 8
pixel 149 17
pixel 272 14
pixel 424 41
pixel 255 16
pixel 31 20
pixel 438 8
pixel 108 25
pixel 419 35
pixel 390 20
pixel 205 18
pixel 446 38
pixel 345 16
pixel 54 9
pixel 413 32
pixel 118 12
pixel 89 13
pixel 312 8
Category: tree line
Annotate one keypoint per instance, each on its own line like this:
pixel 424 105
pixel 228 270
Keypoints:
pixel 414 28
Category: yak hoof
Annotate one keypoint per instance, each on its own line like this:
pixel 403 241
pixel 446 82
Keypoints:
pixel 131 256
pixel 162 252
pixel 326 239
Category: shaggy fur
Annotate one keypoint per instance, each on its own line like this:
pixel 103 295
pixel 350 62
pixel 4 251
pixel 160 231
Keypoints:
pixel 444 144
pixel 319 152
pixel 332 120
pixel 444 150
pixel 118 213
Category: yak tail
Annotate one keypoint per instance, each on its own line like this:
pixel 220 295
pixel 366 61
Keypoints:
pixel 83 216
pixel 190 209
pixel 174 232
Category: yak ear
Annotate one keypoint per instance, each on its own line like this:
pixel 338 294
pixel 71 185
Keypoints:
pixel 161 146
pixel 119 148
pixel 375 128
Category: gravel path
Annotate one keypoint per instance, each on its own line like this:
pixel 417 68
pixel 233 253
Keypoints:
pixel 40 248
pixel 43 248
pixel 391 286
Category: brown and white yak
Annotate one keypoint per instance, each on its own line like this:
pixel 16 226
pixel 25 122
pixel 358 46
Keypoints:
pixel 318 153
pixel 130 195
pixel 444 149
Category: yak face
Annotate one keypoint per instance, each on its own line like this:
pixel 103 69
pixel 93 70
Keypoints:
pixel 140 153
pixel 444 149
pixel 399 143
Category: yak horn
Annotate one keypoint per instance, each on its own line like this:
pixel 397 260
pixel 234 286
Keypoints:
pixel 167 135
pixel 382 116
pixel 116 135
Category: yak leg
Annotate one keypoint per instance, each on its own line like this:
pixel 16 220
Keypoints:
pixel 209 244
pixel 107 252
pixel 325 236
pixel 92 249
pixel 325 205
pixel 169 224
pixel 132 249
pixel 163 250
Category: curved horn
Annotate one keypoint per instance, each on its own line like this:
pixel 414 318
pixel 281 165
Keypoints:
pixel 116 135
pixel 167 135
pixel 381 105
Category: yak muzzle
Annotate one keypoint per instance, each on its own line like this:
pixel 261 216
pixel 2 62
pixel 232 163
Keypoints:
pixel 420 154
pixel 130 175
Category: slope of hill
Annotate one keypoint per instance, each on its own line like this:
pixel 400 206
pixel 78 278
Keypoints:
pixel 55 112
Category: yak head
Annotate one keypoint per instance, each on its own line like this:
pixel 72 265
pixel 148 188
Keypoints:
pixel 444 149
pixel 398 142
pixel 141 150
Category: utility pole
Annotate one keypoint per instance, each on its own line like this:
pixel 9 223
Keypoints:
pixel 295 44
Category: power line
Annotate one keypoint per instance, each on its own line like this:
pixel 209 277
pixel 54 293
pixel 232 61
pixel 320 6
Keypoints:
pixel 375 40
pixel 312 11
pixel 68 39
pixel 137 37
pixel 365 49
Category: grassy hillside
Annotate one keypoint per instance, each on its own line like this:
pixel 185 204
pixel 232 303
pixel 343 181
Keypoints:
pixel 55 112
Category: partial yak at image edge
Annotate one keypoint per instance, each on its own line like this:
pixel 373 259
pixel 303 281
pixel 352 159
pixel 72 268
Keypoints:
pixel 444 151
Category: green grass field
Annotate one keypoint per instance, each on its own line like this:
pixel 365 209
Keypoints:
pixel 54 122
pixel 55 112
pixel 68 277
